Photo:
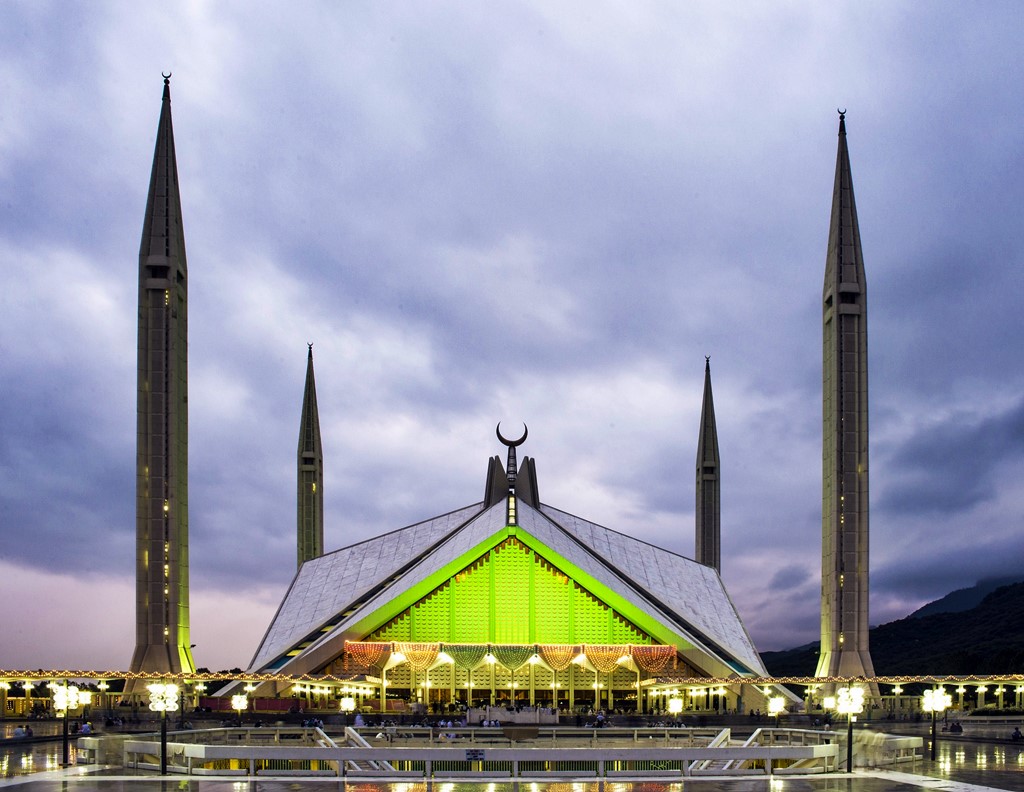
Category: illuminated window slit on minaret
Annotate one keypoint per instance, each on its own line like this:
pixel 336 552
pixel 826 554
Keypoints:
pixel 511 471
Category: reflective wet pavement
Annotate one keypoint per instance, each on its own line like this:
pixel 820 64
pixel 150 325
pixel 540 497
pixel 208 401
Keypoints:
pixel 982 759
pixel 837 783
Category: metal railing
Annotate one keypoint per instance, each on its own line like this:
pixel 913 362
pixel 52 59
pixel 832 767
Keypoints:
pixel 668 753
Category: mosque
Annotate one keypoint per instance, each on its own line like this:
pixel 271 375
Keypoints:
pixel 508 600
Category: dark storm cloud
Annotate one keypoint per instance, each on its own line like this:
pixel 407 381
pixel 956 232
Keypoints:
pixel 949 466
pixel 788 578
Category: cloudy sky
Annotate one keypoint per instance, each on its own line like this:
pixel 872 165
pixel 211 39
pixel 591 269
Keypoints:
pixel 540 212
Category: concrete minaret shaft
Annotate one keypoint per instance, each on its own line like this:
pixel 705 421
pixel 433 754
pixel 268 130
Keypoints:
pixel 161 500
pixel 310 473
pixel 844 508
pixel 709 496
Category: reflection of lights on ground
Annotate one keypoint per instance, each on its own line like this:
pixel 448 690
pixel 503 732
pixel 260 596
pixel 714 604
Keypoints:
pixel 960 757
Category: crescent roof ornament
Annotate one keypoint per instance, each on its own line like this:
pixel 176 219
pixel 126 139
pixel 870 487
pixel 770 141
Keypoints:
pixel 511 443
pixel 842 113
pixel 166 76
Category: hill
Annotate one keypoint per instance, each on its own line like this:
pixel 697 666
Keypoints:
pixel 966 598
pixel 985 639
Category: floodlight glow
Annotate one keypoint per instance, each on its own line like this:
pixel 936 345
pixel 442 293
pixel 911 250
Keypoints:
pixel 776 704
pixel 65 698
pixel 163 698
pixel 850 700
pixel 675 705
pixel 347 704
pixel 240 702
pixel 936 700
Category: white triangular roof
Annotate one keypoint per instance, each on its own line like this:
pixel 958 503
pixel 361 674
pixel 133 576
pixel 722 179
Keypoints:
pixel 327 585
pixel 687 592
pixel 333 593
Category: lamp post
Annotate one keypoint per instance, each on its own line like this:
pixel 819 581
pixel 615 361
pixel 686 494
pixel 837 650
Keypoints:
pixel 936 701
pixel 240 703
pixel 163 698
pixel 65 697
pixel 776 704
pixel 104 698
pixel 896 708
pixel 27 686
pixel 850 701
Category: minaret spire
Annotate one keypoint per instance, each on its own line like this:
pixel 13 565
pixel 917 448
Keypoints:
pixel 310 473
pixel 844 526
pixel 709 499
pixel 162 595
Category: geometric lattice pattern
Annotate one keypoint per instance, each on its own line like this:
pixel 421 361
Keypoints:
pixel 510 596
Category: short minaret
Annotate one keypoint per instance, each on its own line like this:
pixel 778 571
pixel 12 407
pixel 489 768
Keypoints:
pixel 709 495
pixel 310 473
pixel 161 503
pixel 844 524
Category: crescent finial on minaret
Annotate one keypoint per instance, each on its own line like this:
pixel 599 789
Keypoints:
pixel 842 113
pixel 511 443
pixel 167 77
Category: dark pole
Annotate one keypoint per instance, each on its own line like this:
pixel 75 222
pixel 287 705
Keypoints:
pixel 163 742
pixel 66 749
pixel 849 742
pixel 934 735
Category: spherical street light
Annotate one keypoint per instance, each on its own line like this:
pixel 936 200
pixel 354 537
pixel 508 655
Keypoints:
pixel 850 702
pixel 935 701
pixel 239 703
pixel 163 698
pixel 65 697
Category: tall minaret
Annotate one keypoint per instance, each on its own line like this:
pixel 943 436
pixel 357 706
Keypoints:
pixel 709 494
pixel 161 495
pixel 844 506
pixel 311 473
